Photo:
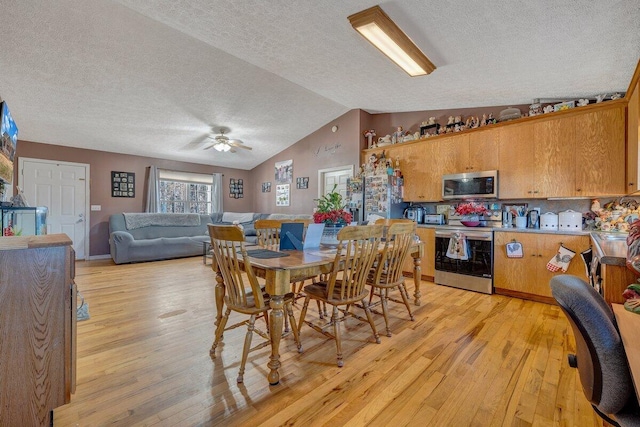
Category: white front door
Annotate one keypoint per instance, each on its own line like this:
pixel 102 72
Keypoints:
pixel 63 188
pixel 334 177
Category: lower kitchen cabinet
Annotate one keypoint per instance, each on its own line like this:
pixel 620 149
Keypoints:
pixel 428 238
pixel 528 277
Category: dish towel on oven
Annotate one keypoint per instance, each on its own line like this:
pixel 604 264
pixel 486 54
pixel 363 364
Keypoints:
pixel 458 248
pixel 561 260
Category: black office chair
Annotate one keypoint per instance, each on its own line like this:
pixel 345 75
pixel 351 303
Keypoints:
pixel 600 357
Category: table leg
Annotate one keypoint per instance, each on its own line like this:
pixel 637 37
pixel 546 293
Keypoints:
pixel 275 331
pixel 417 278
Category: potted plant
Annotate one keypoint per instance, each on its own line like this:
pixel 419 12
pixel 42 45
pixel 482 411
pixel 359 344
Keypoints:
pixel 330 212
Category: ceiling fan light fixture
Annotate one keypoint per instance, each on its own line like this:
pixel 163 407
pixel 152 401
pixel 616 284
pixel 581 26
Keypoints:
pixel 376 26
pixel 223 147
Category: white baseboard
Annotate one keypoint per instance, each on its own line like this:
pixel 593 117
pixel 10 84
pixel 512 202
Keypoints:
pixel 94 257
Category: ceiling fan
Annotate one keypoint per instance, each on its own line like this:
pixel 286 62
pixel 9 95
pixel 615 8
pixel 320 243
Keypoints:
pixel 223 143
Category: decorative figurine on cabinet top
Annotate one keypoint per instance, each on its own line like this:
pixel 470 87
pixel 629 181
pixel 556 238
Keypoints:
pixel 369 135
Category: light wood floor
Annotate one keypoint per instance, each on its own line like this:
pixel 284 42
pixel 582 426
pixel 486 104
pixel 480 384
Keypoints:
pixel 467 360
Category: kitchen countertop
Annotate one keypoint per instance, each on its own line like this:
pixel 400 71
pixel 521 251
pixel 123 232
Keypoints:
pixel 501 229
pixel 610 248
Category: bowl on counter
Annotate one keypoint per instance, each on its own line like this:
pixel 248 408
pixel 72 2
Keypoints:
pixel 470 223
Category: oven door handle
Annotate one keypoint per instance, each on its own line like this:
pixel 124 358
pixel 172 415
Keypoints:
pixel 469 236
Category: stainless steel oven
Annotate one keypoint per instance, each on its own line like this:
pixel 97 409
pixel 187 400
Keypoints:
pixel 474 273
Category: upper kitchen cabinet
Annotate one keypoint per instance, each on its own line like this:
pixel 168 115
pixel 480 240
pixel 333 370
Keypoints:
pixel 515 161
pixel 483 151
pixel 578 153
pixel 554 157
pixel 600 151
pixel 633 133
pixel 421 180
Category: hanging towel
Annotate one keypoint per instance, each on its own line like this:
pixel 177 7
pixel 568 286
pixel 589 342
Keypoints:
pixel 458 248
pixel 561 260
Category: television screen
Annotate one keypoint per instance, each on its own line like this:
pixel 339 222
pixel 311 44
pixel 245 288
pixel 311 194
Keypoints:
pixel 8 141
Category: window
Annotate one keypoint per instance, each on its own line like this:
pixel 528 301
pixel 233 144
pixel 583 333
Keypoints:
pixel 184 192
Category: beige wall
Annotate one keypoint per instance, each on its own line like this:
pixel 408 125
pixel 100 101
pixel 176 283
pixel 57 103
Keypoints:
pixel 320 150
pixel 102 163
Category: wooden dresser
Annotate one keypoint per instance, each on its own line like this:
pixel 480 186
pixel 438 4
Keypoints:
pixel 37 328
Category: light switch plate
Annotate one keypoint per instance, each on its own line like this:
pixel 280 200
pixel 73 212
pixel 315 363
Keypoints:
pixel 96 207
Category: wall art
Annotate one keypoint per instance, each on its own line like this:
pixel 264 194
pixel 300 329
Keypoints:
pixel 123 184
pixel 302 183
pixel 266 187
pixel 284 172
pixel 236 188
pixel 282 195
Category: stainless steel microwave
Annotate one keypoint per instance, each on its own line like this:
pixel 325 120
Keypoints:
pixel 472 185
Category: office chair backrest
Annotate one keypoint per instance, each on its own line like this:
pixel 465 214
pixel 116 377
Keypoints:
pixel 601 360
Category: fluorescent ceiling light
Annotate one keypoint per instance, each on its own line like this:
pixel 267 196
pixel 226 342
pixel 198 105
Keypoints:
pixel 374 25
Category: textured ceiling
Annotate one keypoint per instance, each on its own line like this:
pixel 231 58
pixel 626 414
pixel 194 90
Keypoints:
pixel 153 77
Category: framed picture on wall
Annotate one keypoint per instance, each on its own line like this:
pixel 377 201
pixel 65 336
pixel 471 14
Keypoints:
pixel 284 172
pixel 302 183
pixel 123 184
pixel 282 195
pixel 266 187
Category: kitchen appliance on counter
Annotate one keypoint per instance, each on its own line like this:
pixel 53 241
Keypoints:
pixel 474 273
pixel 472 185
pixel 434 219
pixel 549 221
pixel 414 213
pixel 570 220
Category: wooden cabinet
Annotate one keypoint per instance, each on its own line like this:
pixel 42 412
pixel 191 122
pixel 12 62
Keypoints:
pixel 600 157
pixel 578 154
pixel 428 238
pixel 536 159
pixel 515 158
pixel 421 182
pixel 528 277
pixel 633 133
pixel 37 328
pixel 574 153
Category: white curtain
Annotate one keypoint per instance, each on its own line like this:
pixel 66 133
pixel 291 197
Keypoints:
pixel 216 193
pixel 153 195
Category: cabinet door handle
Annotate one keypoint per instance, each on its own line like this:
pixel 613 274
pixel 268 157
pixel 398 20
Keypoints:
pixel 631 184
pixel 529 192
pixel 578 189
pixel 536 192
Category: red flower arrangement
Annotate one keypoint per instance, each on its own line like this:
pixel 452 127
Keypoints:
pixel 471 208
pixel 331 210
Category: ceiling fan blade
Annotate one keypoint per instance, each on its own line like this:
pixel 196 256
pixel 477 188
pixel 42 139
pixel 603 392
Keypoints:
pixel 232 151
pixel 239 145
pixel 209 147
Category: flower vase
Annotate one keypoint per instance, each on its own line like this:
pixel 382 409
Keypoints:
pixel 470 220
pixel 329 237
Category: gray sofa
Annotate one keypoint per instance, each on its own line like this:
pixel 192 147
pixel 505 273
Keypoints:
pixel 164 236
pixel 150 237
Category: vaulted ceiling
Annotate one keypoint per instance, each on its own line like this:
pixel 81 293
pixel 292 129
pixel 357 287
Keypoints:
pixel 155 77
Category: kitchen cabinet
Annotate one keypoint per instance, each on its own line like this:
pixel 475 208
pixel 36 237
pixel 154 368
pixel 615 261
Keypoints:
pixel 421 180
pixel 428 238
pixel 573 153
pixel 482 151
pixel 37 328
pixel 528 277
pixel 633 133
pixel 536 159
pixel 600 152
pixel 515 161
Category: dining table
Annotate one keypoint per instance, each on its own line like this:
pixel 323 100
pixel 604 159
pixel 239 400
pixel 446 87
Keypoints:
pixel 294 266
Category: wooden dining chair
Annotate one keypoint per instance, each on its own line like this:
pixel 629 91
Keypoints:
pixel 268 231
pixel 387 275
pixel 345 284
pixel 227 244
